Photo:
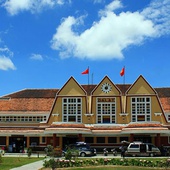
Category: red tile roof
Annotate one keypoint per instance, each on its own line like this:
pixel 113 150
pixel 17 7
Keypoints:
pixel 42 99
pixel 33 93
pixel 143 125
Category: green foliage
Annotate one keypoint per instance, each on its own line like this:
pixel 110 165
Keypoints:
pixel 50 151
pixel 29 152
pixel 0 158
pixel 60 163
pixel 71 153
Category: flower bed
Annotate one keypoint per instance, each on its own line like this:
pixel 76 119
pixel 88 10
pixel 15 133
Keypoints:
pixel 62 163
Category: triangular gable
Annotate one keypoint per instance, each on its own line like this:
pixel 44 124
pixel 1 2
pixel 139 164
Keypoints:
pixel 71 88
pixel 140 86
pixel 99 89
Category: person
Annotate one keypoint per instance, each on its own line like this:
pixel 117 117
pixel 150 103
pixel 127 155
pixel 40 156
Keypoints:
pixel 14 147
pixel 123 149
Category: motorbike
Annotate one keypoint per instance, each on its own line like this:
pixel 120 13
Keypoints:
pixel 114 151
pixel 105 152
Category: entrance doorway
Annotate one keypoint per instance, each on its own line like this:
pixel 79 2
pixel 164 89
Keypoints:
pixel 144 139
pixel 17 144
pixel 69 140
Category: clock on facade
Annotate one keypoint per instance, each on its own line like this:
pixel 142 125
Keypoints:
pixel 106 87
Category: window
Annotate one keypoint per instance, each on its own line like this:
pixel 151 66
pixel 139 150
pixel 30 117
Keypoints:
pixel 34 119
pixel 141 109
pixel 72 110
pixel 100 139
pixel 124 139
pixel 106 110
pixel 134 146
pixel 168 117
pixel 112 140
pixel 89 139
pixel 43 139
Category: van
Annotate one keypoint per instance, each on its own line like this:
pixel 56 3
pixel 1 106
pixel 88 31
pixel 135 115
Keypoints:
pixel 142 149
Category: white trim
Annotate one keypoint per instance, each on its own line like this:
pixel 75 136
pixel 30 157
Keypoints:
pixel 55 114
pixel 134 116
pixel 78 117
pixel 167 115
pixel 88 114
pixel 123 114
pixel 158 114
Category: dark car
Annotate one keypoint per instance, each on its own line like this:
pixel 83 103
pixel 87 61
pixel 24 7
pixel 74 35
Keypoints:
pixel 79 149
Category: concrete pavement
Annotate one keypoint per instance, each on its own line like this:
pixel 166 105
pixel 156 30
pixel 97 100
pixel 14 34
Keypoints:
pixel 32 166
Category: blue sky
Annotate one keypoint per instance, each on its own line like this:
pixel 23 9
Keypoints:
pixel 45 42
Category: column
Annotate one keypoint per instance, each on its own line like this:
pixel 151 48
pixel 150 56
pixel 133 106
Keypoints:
pixel 106 139
pixel 131 137
pixel 158 140
pixel 80 137
pixel 7 141
pixel 28 142
pixel 118 139
pixel 54 141
pixel 61 142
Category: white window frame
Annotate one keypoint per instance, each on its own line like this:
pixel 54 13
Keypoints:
pixel 43 141
pixel 138 106
pixel 112 111
pixel 167 115
pixel 72 107
pixel 22 118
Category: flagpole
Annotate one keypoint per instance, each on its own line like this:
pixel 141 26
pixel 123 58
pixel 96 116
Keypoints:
pixel 124 76
pixel 88 75
pixel 92 78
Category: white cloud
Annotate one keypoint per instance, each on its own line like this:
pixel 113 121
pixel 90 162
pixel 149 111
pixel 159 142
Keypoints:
pixel 116 4
pixel 107 38
pixel 5 61
pixel 36 57
pixel 158 12
pixel 15 6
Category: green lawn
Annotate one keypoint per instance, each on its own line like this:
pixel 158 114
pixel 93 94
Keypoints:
pixel 13 162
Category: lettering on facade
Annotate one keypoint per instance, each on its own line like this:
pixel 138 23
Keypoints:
pixel 106 99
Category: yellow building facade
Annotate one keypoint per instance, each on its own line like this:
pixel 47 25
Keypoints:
pixel 102 115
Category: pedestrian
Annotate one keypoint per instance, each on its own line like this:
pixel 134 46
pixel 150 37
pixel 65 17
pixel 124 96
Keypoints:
pixel 122 148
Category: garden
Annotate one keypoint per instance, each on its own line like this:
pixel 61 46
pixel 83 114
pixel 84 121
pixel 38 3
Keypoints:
pixel 132 163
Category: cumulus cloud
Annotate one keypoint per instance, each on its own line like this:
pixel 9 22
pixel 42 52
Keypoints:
pixel 36 57
pixel 5 61
pixel 15 6
pixel 113 33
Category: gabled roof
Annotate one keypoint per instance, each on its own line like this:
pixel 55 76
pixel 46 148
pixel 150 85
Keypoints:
pixel 42 99
pixel 114 90
pixel 33 93
pixel 162 92
pixel 75 87
pixel 140 86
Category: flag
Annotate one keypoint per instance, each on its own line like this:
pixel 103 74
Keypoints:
pixel 86 71
pixel 122 72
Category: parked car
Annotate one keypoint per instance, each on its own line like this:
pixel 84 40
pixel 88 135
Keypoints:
pixel 142 149
pixel 79 149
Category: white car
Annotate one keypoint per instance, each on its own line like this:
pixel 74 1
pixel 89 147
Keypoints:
pixel 142 149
